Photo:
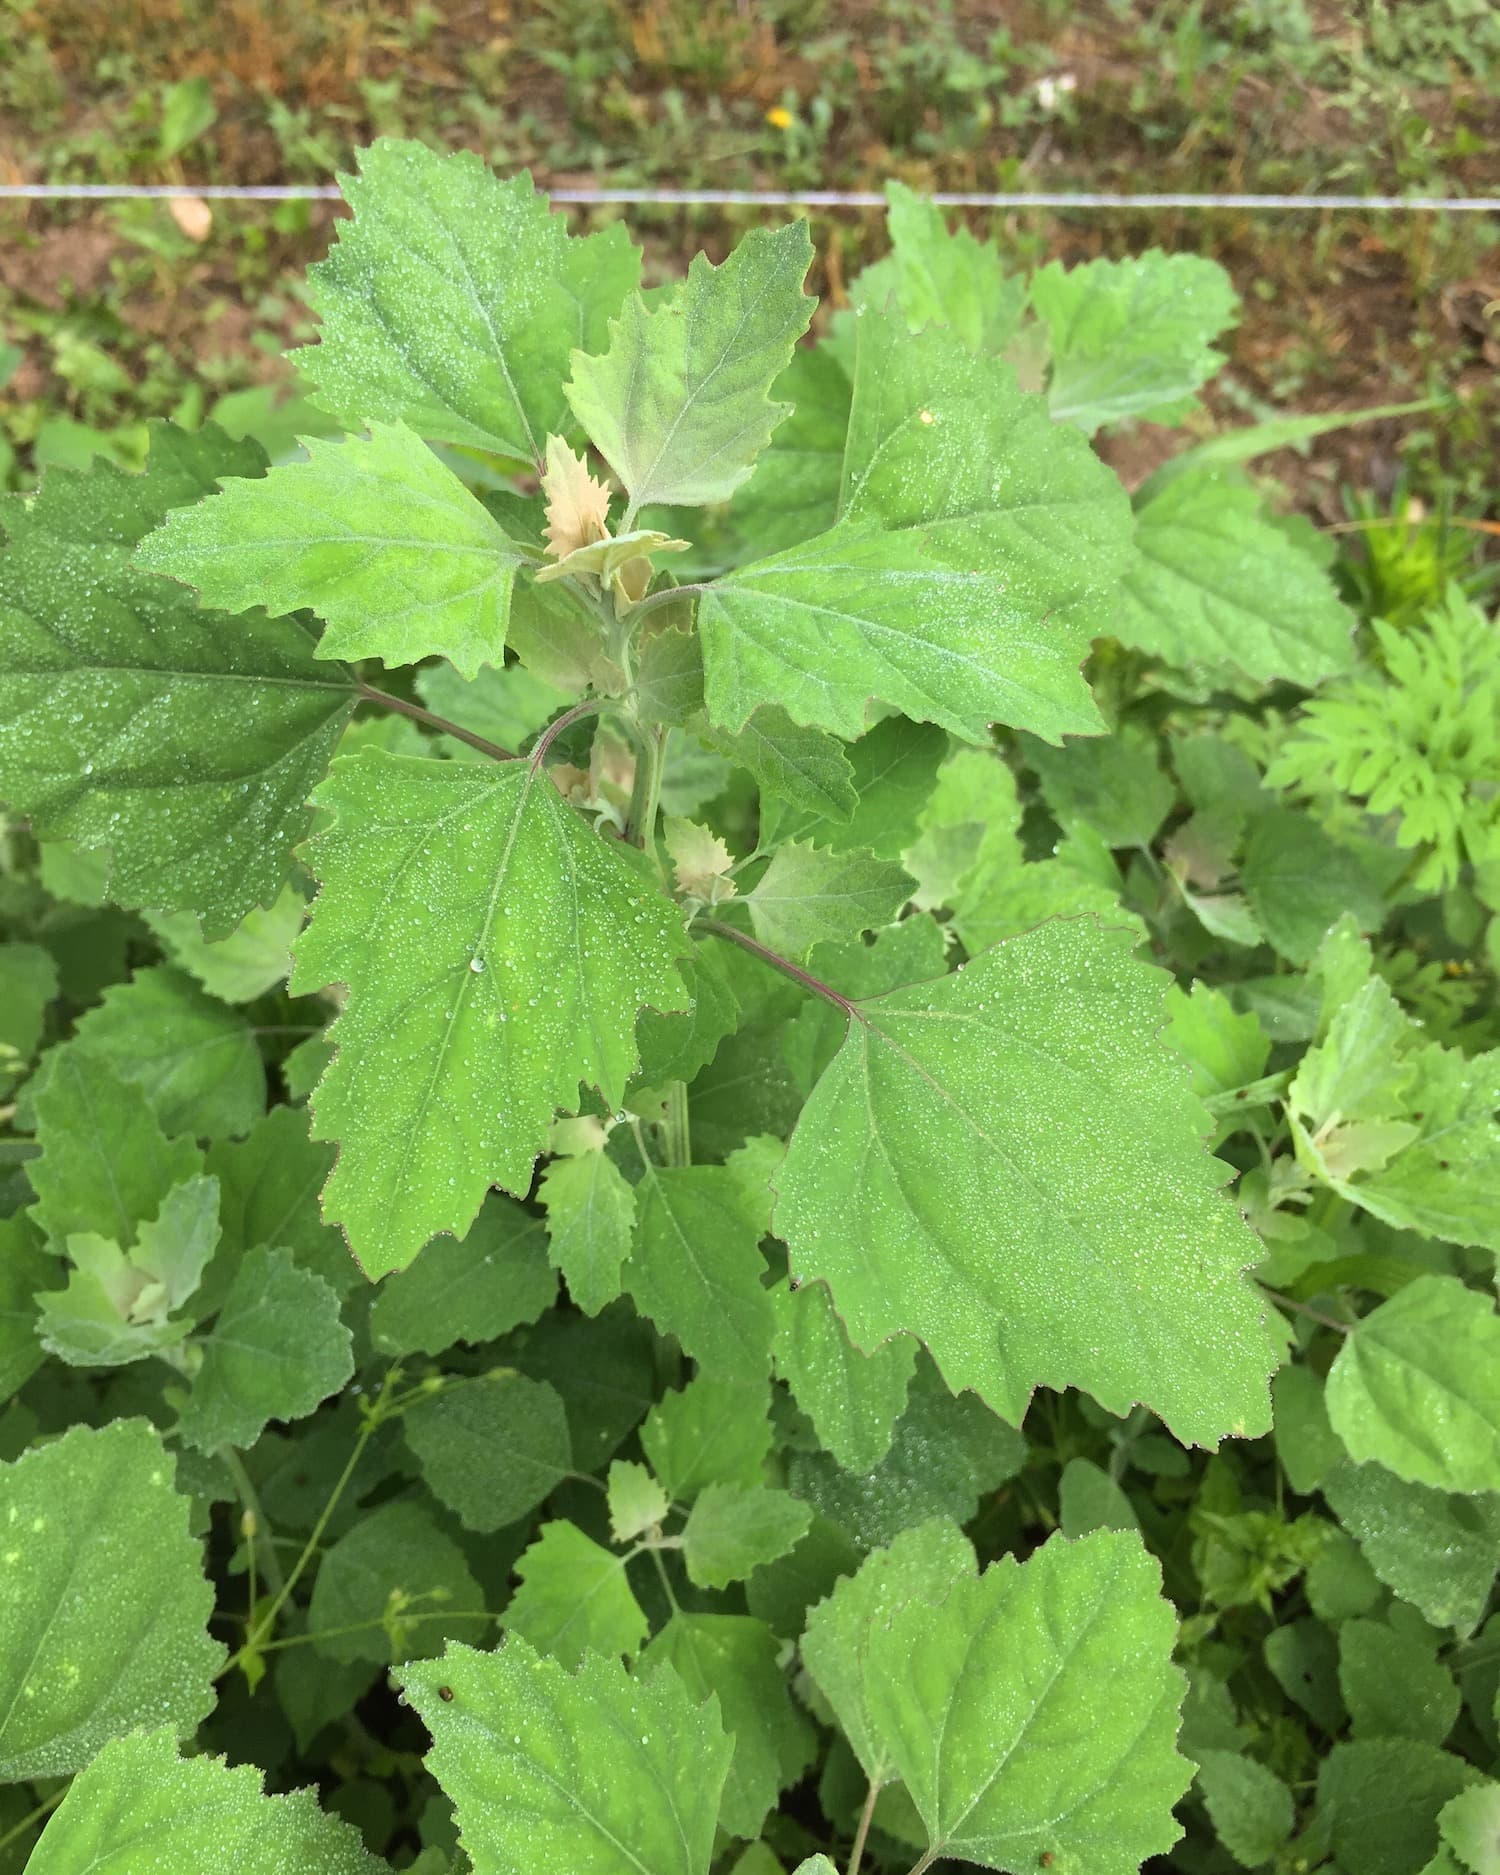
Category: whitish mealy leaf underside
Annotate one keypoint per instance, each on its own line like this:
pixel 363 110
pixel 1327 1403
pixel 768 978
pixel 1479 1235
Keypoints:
pixel 497 953
pixel 1008 1165
pixel 971 530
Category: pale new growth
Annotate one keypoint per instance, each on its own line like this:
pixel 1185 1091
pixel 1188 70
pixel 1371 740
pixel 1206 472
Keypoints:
pixel 577 505
pixel 701 861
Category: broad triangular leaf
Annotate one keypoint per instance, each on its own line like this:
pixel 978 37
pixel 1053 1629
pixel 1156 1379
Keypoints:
pixel 1217 583
pixel 497 952
pixel 733 1529
pixel 923 1565
pixel 853 1399
pixel 490 1448
pixel 590 1208
pixel 373 534
pixel 712 1431
pixel 809 896
pixel 105 1164
pixel 678 405
pixel 184 741
pixel 1007 1164
pixel 471 1289
pixel 970 528
pixel 1435 1549
pixel 255 957
pixel 736 1660
pixel 943 278
pixel 1416 1387
pixel 592 1770
pixel 452 300
pixel 574 1599
pixel 277 1349
pixel 103 1623
pixel 1132 338
pixel 1250 1808
pixel 1035 1710
pixel 139 1799
pixel 695 1268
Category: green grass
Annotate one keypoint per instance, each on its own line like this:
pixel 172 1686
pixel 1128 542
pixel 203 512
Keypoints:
pixel 119 316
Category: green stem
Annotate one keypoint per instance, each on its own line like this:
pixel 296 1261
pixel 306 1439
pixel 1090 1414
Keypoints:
pixel 368 694
pixel 640 822
pixel 784 965
pixel 1301 1308
pixel 866 1817
pixel 44 1808
pixel 363 1627
pixel 666 1580
pixel 920 1868
pixel 373 1419
pixel 590 707
pixel 656 600
pixel 679 1135
pixel 261 1539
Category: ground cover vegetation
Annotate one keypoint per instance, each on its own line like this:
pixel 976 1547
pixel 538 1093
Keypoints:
pixel 746 1127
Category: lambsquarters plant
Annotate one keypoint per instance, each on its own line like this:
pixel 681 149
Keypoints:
pixel 745 1128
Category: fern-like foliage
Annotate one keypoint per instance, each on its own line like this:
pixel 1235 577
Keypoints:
pixel 1414 734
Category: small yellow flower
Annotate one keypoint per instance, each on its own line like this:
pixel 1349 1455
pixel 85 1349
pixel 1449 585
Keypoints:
pixel 779 117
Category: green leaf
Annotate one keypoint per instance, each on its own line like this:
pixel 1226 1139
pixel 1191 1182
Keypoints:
pixel 678 405
pixel 475 1288
pixel 737 1661
pixel 981 1148
pixel 1306 1445
pixel 393 1587
pixel 803 768
pixel 1035 1709
pixel 637 1502
pixel 254 958
pixel 268 1194
pixel 197 1061
pixel 1250 1808
pixel 970 529
pixel 188 1814
pixel 894 769
pixel 1219 584
pixel 853 1399
pixel 712 1431
pixel 943 279
pixel 1114 784
pixel 497 952
pixel 793 492
pixel 1132 338
pixel 490 1448
pixel 103 1622
pixel 116 1305
pixel 946 1455
pixel 28 982
pixel 1436 1550
pixel 807 896
pixel 1300 883
pixel 590 1210
pixel 1416 1387
pixel 185 741
pixel 1470 1826
pixel 105 1163
pixel 1090 1499
pixel 25 1268
pixel 506 707
pixel 922 1564
pixel 1393 1684
pixel 452 301
pixel 1380 1798
pixel 695 1268
pixel 593 1770
pixel 276 1351
pixel 574 1599
pixel 1227 1051
pixel 733 1528
pixel 373 534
